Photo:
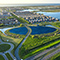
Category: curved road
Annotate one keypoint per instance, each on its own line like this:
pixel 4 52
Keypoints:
pixel 17 50
pixel 4 56
pixel 8 51
pixel 35 56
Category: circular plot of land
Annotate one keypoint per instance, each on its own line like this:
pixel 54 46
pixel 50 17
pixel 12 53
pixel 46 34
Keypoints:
pixel 1 57
pixel 4 47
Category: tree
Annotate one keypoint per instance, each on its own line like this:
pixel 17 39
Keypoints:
pixel 20 25
pixel 1 24
pixel 32 36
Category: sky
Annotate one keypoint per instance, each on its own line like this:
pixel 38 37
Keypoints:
pixel 28 1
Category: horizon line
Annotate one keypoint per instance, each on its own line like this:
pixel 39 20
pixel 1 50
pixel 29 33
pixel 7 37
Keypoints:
pixel 26 3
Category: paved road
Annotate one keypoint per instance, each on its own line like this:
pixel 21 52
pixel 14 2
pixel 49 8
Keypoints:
pixel 17 50
pixel 14 58
pixel 4 56
pixel 52 54
pixel 0 41
pixel 42 53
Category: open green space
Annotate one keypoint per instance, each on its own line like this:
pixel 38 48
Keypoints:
pixel 37 43
pixel 8 56
pixel 4 47
pixel 34 43
pixel 13 40
pixel 1 57
pixel 57 24
pixel 32 46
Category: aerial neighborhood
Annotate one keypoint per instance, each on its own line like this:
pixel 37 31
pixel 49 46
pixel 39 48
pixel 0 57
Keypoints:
pixel 7 19
pixel 32 17
pixel 30 32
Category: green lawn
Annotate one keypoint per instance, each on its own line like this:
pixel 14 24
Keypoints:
pixel 8 56
pixel 57 24
pixel 4 47
pixel 1 57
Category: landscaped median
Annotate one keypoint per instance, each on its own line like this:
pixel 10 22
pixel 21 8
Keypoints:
pixel 4 47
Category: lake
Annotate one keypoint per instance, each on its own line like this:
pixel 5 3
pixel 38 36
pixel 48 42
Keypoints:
pixel 35 30
pixel 20 30
pixel 41 30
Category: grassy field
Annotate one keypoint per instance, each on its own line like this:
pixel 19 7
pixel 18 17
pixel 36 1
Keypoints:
pixel 4 47
pixel 57 24
pixel 1 57
pixel 36 43
pixel 32 46
pixel 8 56
pixel 15 41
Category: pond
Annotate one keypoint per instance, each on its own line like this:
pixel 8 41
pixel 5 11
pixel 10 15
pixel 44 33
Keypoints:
pixel 41 30
pixel 35 30
pixel 20 30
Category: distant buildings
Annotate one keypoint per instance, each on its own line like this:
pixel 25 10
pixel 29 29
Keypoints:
pixel 35 17
pixel 7 21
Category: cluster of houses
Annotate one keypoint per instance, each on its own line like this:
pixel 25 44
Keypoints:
pixel 5 21
pixel 35 17
pixel 4 15
pixel 9 22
